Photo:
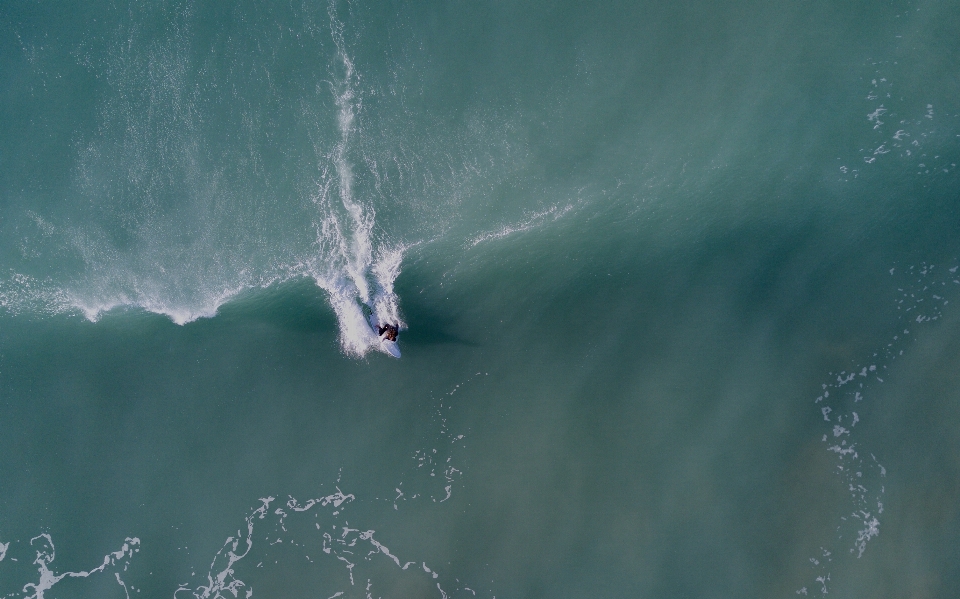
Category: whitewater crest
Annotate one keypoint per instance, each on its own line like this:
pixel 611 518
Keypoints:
pixel 529 222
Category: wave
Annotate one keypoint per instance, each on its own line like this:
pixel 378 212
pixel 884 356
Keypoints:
pixel 173 222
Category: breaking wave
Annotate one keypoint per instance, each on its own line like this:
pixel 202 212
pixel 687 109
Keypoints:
pixel 175 224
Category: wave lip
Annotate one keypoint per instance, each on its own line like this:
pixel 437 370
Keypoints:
pixel 529 222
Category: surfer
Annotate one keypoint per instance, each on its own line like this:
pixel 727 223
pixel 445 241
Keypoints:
pixel 388 332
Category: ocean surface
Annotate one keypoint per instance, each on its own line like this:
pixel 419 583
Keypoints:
pixel 678 284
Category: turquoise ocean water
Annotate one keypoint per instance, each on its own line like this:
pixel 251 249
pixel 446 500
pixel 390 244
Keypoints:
pixel 679 280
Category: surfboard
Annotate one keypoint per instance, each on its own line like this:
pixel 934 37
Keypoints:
pixel 390 347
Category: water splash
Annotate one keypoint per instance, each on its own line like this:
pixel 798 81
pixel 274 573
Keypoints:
pixel 357 275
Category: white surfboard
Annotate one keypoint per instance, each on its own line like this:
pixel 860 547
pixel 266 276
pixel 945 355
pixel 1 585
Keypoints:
pixel 390 347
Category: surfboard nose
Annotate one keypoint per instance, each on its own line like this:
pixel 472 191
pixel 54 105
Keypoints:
pixel 391 348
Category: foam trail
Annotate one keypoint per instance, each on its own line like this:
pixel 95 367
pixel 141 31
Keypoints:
pixel 357 250
pixel 386 269
pixel 345 232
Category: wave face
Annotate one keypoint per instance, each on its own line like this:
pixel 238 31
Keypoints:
pixel 679 284
pixel 216 161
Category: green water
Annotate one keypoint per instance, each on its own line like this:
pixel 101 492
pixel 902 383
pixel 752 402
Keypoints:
pixel 678 282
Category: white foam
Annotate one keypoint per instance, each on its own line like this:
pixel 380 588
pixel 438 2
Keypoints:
pixel 356 336
pixel 225 578
pixel 299 527
pixel 386 269
pixel 94 308
pixel 529 222
pixel 350 267
pixel 870 530
pixel 46 554
pixel 353 236
pixel 850 466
